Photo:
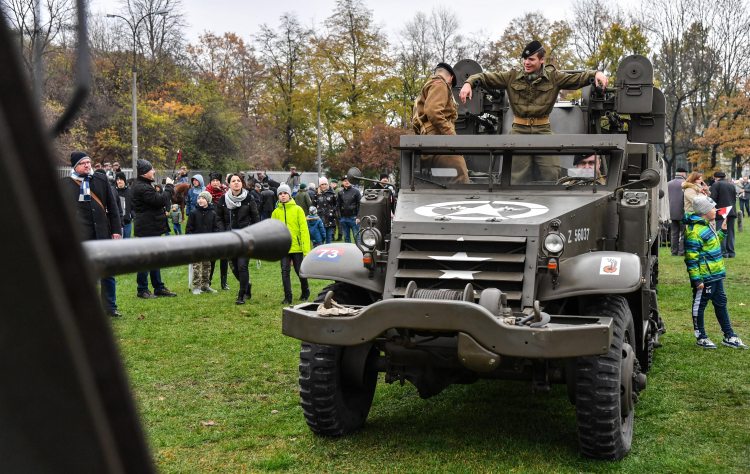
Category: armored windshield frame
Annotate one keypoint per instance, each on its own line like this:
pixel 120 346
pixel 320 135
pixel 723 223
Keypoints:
pixel 502 148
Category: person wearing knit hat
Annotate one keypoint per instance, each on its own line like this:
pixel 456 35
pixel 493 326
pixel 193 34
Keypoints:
pixel 288 212
pixel 97 214
pixel 150 221
pixel 303 199
pixel 202 220
pixel 217 190
pixel 206 195
pixel 323 180
pixel 705 267
pixel 325 202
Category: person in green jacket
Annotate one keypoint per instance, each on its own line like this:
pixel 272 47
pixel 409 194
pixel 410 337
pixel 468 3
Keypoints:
pixel 288 212
pixel 303 199
pixel 707 272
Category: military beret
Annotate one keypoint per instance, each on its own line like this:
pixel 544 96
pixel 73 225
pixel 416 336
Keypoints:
pixel 335 181
pixel 450 70
pixel 531 49
pixel 302 186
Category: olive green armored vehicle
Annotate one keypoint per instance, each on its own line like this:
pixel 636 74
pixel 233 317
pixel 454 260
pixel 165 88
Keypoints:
pixel 544 277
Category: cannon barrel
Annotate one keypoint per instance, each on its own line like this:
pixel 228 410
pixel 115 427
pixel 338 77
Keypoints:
pixel 267 240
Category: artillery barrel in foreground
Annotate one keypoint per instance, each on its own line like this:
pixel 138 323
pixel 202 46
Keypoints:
pixel 267 240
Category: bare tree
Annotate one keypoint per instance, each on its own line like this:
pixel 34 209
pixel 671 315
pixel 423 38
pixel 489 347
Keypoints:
pixel 444 29
pixel 685 63
pixel 158 36
pixel 591 19
pixel 37 24
pixel 282 52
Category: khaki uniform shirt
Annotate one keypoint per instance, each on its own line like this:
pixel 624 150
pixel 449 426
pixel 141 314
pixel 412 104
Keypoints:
pixel 533 99
pixel 435 111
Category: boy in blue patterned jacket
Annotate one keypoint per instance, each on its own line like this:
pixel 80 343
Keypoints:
pixel 705 266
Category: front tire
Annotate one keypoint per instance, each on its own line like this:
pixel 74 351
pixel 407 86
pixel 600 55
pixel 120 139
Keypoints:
pixel 336 385
pixel 606 388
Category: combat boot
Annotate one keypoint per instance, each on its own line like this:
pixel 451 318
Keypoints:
pixel 287 299
pixel 241 296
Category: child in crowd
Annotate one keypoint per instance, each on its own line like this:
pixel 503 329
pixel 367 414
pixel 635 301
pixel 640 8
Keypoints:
pixel 202 220
pixel 705 267
pixel 288 212
pixel 176 216
pixel 315 226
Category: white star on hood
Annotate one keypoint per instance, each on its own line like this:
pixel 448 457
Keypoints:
pixel 485 209
pixel 460 274
pixel 461 257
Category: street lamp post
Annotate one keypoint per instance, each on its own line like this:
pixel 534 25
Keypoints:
pixel 320 84
pixel 134 29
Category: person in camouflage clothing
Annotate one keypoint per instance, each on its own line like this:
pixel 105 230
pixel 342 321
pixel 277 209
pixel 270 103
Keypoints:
pixel 532 93
pixel 705 266
pixel 435 113
pixel 202 220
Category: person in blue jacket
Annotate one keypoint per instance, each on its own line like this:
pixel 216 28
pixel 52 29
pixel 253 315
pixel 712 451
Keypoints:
pixel 315 225
pixel 191 200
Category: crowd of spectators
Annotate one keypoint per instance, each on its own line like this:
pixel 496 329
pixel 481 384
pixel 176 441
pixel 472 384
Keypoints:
pixel 111 207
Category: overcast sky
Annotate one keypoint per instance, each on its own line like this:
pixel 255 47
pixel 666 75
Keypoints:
pixel 244 16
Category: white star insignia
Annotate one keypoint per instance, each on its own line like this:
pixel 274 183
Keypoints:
pixel 461 257
pixel 460 274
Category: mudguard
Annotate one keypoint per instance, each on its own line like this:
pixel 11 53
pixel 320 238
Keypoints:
pixel 593 273
pixel 341 262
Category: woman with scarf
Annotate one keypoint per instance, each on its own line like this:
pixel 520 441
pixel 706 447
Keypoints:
pixel 236 210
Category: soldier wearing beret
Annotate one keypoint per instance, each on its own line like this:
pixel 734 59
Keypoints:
pixel 435 113
pixel 532 93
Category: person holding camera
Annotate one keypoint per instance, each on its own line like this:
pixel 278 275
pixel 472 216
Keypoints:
pixel 150 221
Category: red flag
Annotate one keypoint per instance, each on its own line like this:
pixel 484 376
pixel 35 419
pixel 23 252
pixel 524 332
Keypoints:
pixel 179 156
pixel 724 211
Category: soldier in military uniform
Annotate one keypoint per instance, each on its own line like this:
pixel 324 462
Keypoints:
pixel 435 113
pixel 584 166
pixel 532 94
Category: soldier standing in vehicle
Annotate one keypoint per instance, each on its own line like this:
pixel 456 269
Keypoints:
pixel 435 113
pixel 532 94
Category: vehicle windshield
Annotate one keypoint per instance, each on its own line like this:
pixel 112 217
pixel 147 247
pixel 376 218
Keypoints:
pixel 525 168
pixel 559 169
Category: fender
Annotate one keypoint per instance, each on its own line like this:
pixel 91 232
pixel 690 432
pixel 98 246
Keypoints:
pixel 593 273
pixel 341 262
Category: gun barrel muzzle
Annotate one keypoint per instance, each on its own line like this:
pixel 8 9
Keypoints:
pixel 268 240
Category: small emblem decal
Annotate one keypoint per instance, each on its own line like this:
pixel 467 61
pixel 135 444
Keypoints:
pixel 328 254
pixel 610 266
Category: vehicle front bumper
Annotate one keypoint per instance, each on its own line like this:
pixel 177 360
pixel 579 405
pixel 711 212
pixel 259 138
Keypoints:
pixel 563 336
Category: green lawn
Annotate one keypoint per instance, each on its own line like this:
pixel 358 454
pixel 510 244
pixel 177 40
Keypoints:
pixel 195 359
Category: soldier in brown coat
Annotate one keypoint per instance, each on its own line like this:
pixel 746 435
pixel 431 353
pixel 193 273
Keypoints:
pixel 435 113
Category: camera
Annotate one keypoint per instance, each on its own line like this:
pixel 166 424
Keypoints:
pixel 164 181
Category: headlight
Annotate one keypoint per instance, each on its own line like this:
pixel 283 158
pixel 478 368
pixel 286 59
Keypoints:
pixel 369 238
pixel 553 243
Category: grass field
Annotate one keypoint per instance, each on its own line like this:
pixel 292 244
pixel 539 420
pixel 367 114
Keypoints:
pixel 195 359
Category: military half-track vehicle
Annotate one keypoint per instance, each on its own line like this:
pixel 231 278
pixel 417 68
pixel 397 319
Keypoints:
pixel 547 276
